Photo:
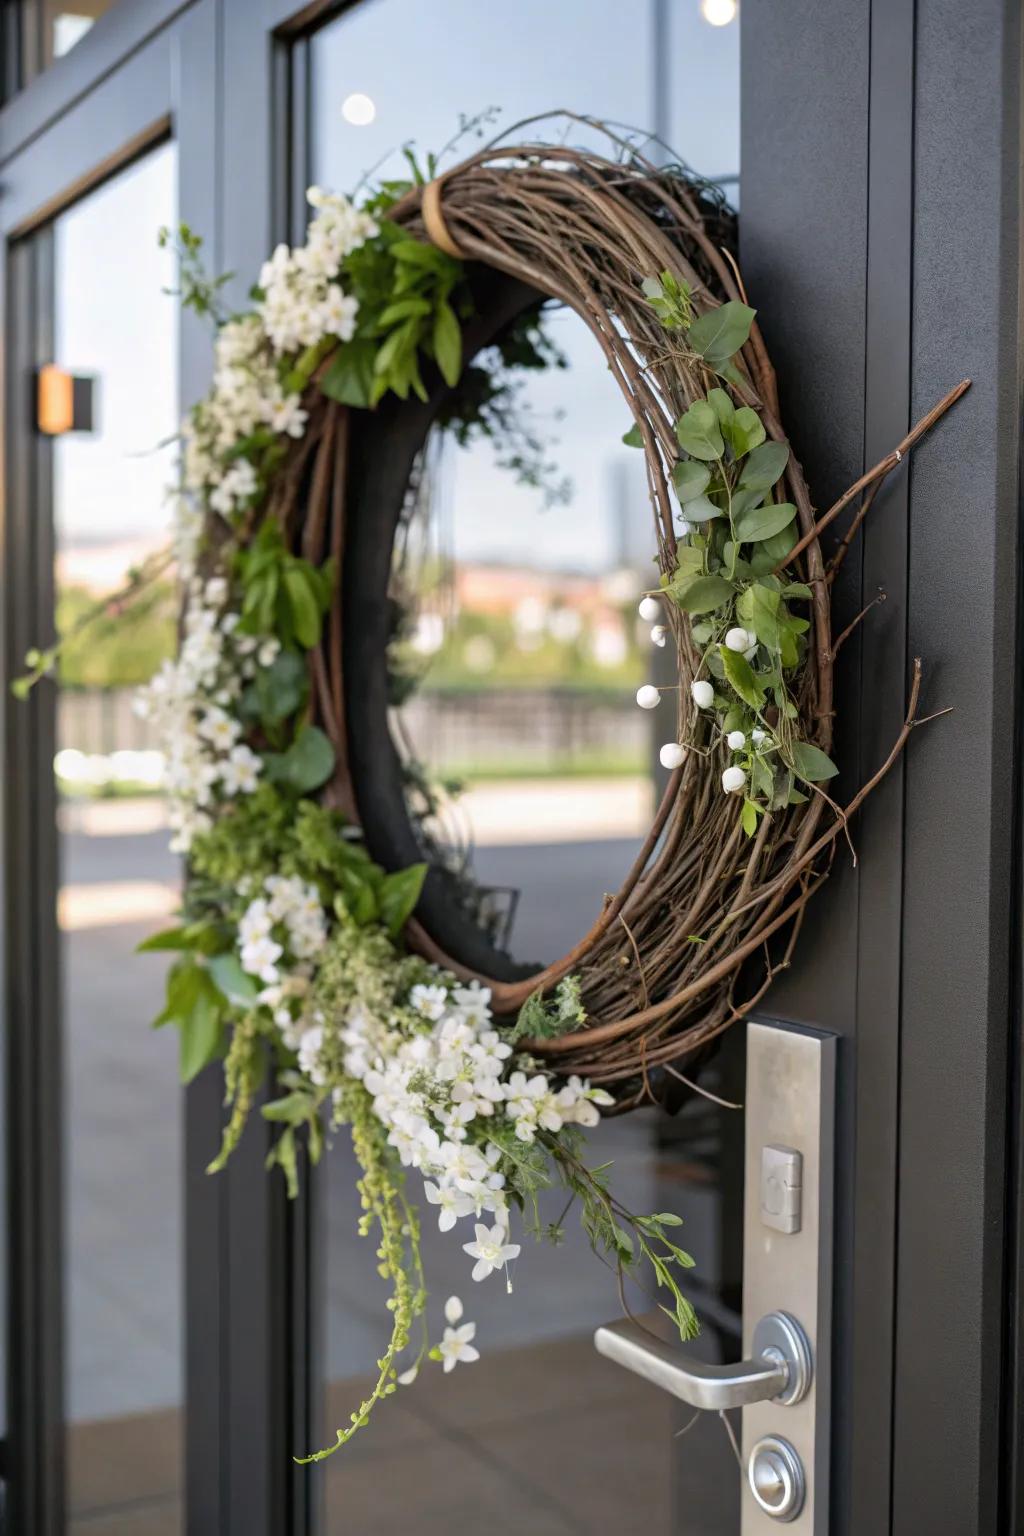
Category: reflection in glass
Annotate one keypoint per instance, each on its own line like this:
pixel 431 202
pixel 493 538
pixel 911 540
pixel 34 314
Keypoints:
pixel 65 23
pixel 520 625
pixel 520 652
pixel 122 1109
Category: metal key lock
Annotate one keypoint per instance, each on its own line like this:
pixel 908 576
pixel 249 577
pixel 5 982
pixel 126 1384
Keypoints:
pixel 782 1385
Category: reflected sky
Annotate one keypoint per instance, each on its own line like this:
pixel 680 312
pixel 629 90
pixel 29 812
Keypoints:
pixel 395 72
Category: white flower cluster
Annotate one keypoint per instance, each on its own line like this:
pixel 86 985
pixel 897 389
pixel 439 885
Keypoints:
pixel 438 1087
pixel 301 301
pixel 190 702
pixel 289 918
pixel 302 304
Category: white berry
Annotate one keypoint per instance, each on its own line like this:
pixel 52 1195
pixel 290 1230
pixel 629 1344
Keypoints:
pixel 648 696
pixel 683 526
pixel 658 634
pixel 703 694
pixel 672 755
pixel 733 779
pixel 650 609
pixel 737 639
pixel 736 740
pixel 758 737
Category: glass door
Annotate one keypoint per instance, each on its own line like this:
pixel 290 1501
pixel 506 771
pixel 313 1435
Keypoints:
pixel 519 586
pixel 96 1150
pixel 122 1124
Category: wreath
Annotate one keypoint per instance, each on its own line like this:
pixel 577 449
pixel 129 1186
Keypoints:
pixel 296 949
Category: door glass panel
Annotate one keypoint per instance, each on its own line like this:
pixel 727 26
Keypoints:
pixel 512 610
pixel 122 1121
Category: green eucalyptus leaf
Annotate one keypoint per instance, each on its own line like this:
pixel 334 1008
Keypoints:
pixel 764 465
pixel 740 675
pixel 701 510
pixel 745 431
pixel 308 762
pixel 632 438
pixel 758 609
pixel 704 594
pixel 690 479
pixel 780 544
pixel 721 403
pixel 698 432
pixel 719 335
pixel 811 763
pixel 277 691
pixel 764 522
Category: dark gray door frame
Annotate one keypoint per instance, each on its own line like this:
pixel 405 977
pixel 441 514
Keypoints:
pixel 881 233
pixel 881 230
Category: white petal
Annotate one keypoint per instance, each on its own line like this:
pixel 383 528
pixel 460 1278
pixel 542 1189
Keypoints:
pixel 453 1310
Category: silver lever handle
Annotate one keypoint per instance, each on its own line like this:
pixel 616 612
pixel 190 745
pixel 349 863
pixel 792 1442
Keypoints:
pixel 780 1368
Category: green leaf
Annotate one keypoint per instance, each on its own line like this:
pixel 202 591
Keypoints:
pixel 419 254
pixel 304 604
pixel 721 404
pixel 358 897
pixel 749 816
pixel 811 763
pixel 779 545
pixel 764 466
pixel 238 986
pixel 721 333
pixel 294 1108
pixel 448 343
pixel 398 895
pixel 757 609
pixel 698 432
pixel 200 1031
pixel 704 594
pixel 308 762
pixel 402 309
pixel 745 431
pixel 764 522
pixel 277 691
pixel 348 377
pixel 632 438
pixel 690 479
pixel 741 675
pixel 282 1155
pixel 170 938
pixel 701 510
pixel 797 589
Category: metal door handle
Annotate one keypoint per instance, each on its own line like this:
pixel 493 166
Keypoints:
pixel 780 1368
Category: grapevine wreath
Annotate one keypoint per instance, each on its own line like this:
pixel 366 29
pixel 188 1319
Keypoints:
pixel 296 949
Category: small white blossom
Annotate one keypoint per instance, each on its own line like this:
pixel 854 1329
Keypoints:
pixel 736 740
pixel 702 694
pixel 733 779
pixel 490 1250
pixel 456 1345
pixel 649 609
pixel 648 696
pixel 672 755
